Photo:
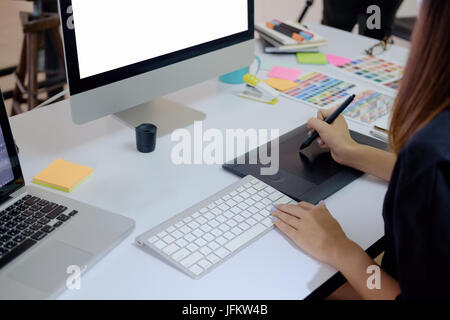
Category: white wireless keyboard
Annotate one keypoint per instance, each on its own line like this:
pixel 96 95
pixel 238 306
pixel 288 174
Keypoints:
pixel 201 237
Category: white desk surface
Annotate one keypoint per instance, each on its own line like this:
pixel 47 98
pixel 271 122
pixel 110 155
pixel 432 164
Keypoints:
pixel 150 189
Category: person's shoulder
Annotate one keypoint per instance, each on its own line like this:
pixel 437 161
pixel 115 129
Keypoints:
pixel 429 147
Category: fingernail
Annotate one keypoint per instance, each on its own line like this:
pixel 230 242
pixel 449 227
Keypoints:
pixel 273 218
pixel 273 209
pixel 319 141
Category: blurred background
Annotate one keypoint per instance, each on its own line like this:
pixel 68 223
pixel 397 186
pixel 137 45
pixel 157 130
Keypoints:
pixel 50 75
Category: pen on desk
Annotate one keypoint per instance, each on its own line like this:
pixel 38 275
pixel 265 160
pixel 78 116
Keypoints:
pixel 328 120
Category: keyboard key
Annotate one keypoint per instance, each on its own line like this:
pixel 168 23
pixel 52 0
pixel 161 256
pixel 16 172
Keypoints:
pixel 221 219
pixel 32 201
pixel 10 245
pixel 213 258
pixel 181 243
pixel 73 212
pixel 213 245
pixel 245 194
pixel 185 229
pixel 187 220
pixel 38 235
pixel 171 249
pixel 245 237
pixel 13 232
pixel 224 228
pixel 229 235
pixel 267 222
pixel 195 215
pixel 236 230
pixel 179 224
pixel 250 202
pixel 170 229
pixel 193 224
pixel 204 210
pixel 201 220
pixel 63 217
pixel 258 217
pixel 168 239
pixel 160 244
pixel 193 258
pixel 162 234
pixel 205 264
pixel 177 256
pixel 200 242
pixel 275 196
pixel 197 233
pixel 282 200
pixel 224 207
pixel 216 232
pixel 209 215
pixel 259 186
pixel 152 239
pixel 205 228
pixel 196 269
pixel 19 239
pixel 244 226
pixel 213 223
pixel 222 252
pixel 192 247
pixel 53 214
pixel 216 211
pixel 189 237
pixel 231 223
pixel 205 251
pixel 177 234
pixel 243 205
pixel 229 214
pixel 210 236
pixel 221 240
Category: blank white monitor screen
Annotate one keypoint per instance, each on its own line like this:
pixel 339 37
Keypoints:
pixel 111 34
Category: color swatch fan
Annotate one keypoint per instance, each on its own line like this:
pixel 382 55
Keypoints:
pixel 373 69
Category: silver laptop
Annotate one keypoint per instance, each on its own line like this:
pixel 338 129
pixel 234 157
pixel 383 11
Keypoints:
pixel 47 241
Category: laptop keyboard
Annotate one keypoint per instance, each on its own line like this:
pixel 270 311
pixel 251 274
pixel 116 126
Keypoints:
pixel 26 222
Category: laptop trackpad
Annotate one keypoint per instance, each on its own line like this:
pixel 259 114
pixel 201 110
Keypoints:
pixel 46 268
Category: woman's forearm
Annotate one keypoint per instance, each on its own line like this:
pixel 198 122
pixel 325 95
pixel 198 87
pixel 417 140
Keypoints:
pixel 371 160
pixel 353 263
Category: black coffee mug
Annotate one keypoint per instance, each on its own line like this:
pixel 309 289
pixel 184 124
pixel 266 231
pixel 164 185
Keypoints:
pixel 146 137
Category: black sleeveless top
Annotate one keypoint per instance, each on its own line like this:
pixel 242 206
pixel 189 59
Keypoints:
pixel 417 214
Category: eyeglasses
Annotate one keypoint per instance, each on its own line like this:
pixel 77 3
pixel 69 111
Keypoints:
pixel 380 47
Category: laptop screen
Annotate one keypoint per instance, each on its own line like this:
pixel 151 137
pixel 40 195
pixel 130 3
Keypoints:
pixel 6 173
pixel 11 178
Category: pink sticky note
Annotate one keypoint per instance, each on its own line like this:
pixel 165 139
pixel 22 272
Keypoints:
pixel 336 60
pixel 284 73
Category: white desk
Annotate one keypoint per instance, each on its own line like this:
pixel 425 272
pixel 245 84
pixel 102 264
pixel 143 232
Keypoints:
pixel 150 189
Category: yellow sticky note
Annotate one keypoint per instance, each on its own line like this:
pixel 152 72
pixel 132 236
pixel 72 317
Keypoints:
pixel 281 84
pixel 63 175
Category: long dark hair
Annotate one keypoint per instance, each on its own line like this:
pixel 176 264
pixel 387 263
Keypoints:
pixel 425 87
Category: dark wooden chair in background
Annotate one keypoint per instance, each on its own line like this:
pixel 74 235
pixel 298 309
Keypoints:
pixel 27 87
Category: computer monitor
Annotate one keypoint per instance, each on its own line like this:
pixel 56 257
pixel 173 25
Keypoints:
pixel 122 54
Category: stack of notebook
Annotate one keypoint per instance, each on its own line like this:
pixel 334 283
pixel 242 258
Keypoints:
pixel 289 37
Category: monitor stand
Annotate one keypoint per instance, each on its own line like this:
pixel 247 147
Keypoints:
pixel 166 114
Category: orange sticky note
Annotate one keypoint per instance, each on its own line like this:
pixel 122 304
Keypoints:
pixel 281 84
pixel 63 175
